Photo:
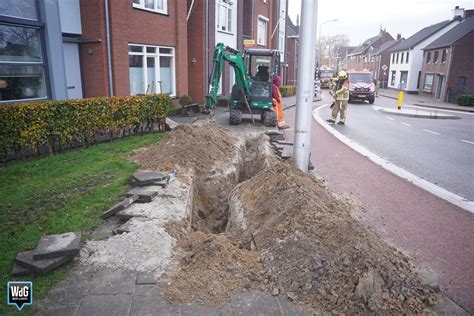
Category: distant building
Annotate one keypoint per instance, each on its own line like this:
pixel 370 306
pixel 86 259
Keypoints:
pixel 292 46
pixel 448 63
pixel 381 58
pixel 339 58
pixel 39 54
pixel 407 56
pixel 362 57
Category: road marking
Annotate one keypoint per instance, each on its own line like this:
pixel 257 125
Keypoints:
pixel 428 131
pixel 390 118
pixel 432 188
pixel 406 124
pixel 466 141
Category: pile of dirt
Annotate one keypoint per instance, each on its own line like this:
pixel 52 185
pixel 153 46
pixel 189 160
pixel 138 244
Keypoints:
pixel 316 253
pixel 210 268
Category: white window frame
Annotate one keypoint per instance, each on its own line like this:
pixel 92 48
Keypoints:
pixel 141 6
pixel 157 56
pixel 228 5
pixel 265 20
pixel 428 88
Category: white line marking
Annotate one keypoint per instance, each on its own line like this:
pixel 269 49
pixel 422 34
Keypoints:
pixel 406 124
pixel 466 141
pixel 428 131
pixel 452 198
pixel 390 118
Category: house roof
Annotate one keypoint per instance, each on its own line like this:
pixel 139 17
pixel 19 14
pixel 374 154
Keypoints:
pixel 291 29
pixel 420 36
pixel 367 43
pixel 384 47
pixel 454 35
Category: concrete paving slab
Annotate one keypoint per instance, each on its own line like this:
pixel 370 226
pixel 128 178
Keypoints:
pixel 55 246
pixel 18 270
pixel 119 206
pixel 112 282
pixel 194 309
pixel 25 259
pixel 284 142
pixel 287 152
pixel 58 311
pixel 145 278
pixel 149 300
pixel 131 225
pixel 145 195
pixel 99 305
pixel 255 303
pixel 145 178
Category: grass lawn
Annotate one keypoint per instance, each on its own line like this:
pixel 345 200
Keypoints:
pixel 59 194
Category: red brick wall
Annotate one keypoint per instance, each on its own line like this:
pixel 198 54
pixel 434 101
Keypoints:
pixel 462 64
pixel 292 71
pixel 130 25
pixel 265 9
pixel 437 68
pixel 94 55
pixel 196 50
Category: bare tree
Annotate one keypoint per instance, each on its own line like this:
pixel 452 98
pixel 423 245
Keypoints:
pixel 328 46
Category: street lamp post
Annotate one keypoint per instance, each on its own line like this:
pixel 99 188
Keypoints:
pixel 319 38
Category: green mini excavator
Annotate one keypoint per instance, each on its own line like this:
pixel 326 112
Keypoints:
pixel 254 70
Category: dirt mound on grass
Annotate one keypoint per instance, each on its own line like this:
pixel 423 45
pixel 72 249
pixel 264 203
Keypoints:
pixel 316 253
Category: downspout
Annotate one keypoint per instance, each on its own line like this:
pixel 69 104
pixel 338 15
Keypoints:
pixel 109 54
pixel 206 51
pixel 448 72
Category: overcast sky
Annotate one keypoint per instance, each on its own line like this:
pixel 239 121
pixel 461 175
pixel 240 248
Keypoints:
pixel 362 19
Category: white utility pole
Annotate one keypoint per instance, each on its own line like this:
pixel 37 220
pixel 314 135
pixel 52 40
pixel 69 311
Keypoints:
pixel 305 83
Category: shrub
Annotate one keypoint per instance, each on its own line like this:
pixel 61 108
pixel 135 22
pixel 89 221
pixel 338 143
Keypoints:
pixel 465 100
pixel 174 112
pixel 27 126
pixel 287 91
pixel 185 100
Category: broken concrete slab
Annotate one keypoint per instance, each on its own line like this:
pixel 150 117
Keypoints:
pixel 55 246
pixel 284 142
pixel 25 259
pixel 145 178
pixel 18 270
pixel 119 206
pixel 145 195
pixel 130 225
pixel 275 135
pixel 287 152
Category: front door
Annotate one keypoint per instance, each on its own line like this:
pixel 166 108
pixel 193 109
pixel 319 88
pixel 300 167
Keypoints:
pixel 439 87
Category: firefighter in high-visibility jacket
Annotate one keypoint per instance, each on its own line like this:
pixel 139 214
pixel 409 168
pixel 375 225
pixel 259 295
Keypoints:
pixel 342 99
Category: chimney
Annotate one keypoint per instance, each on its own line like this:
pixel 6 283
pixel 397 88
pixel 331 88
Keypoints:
pixel 399 36
pixel 297 20
pixel 458 12
pixel 468 14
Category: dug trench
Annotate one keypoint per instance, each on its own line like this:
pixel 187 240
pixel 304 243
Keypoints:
pixel 257 223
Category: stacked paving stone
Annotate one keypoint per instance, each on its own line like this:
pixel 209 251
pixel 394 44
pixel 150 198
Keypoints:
pixel 282 147
pixel 144 189
pixel 51 252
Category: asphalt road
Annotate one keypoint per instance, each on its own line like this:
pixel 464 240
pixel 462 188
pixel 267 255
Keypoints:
pixel 440 151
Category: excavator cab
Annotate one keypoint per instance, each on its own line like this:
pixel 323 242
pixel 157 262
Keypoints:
pixel 254 71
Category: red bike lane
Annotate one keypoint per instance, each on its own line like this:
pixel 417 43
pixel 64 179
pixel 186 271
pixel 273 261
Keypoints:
pixel 435 233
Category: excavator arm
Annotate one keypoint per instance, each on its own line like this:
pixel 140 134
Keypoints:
pixel 235 59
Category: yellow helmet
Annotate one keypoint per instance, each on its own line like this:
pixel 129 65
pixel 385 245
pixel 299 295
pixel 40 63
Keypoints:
pixel 342 75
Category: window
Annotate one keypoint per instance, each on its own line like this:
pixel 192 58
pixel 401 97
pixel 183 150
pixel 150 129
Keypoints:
pixel 159 6
pixel 428 57
pixel 461 83
pixel 21 64
pixel 443 56
pixel 152 70
pixel 393 58
pixel 428 83
pixel 401 59
pixel 392 80
pixel 408 54
pixel 435 57
pixel 24 9
pixel 224 16
pixel 262 30
pixel 397 57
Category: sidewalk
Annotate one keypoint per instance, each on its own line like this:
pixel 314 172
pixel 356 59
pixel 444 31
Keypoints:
pixel 418 100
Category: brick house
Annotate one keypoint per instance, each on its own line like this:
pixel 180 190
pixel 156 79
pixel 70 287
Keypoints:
pixel 228 22
pixel 362 57
pixel 292 46
pixel 381 58
pixel 448 63
pixel 148 47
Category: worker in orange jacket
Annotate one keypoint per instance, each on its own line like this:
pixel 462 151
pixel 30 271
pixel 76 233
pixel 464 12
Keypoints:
pixel 277 102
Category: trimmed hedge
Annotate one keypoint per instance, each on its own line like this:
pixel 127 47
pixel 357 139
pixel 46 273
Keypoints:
pixel 465 100
pixel 185 100
pixel 71 123
pixel 287 91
